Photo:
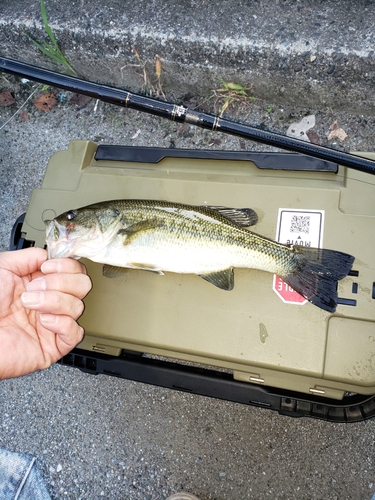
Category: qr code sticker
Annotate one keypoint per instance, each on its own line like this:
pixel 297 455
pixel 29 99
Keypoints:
pixel 300 224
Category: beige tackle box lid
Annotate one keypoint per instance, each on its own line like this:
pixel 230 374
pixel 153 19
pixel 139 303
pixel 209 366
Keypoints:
pixel 256 330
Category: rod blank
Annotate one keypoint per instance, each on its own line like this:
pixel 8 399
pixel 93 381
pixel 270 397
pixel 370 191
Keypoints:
pixel 182 114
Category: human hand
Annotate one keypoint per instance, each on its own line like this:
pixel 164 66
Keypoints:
pixel 40 301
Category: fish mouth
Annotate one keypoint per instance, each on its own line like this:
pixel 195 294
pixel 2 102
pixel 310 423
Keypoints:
pixel 58 243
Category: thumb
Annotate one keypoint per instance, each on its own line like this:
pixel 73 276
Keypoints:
pixel 23 262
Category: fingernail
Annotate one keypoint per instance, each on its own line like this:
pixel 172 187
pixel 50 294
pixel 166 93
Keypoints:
pixel 51 266
pixel 32 298
pixel 37 284
pixel 48 318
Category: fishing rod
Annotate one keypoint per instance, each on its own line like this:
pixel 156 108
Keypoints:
pixel 182 114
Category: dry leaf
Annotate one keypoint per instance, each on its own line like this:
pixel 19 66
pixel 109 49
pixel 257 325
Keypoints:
pixel 24 115
pixel 6 98
pixel 224 107
pixel 184 130
pixel 45 102
pixel 158 66
pixel 215 142
pixel 336 132
pixel 313 137
pixel 299 129
pixel 81 100
pixel 136 53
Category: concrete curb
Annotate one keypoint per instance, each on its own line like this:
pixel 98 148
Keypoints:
pixel 289 52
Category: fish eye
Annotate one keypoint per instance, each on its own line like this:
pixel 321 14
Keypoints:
pixel 71 214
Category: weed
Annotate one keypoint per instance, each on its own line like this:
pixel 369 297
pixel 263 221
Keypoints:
pixel 51 49
pixel 151 88
pixel 232 92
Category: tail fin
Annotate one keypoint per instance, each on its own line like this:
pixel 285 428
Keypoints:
pixel 316 274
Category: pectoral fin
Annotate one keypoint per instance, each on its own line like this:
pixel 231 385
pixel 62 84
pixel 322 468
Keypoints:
pixel 240 216
pixel 113 271
pixel 221 279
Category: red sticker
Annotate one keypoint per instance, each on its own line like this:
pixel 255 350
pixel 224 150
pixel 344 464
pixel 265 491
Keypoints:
pixel 286 292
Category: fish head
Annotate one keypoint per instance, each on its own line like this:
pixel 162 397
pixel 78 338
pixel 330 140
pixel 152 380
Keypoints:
pixel 81 233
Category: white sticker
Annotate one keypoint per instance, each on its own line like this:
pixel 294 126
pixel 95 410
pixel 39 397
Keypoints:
pixel 297 227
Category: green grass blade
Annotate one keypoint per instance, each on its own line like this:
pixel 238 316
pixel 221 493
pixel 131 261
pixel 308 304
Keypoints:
pixel 52 49
pixel 235 86
pixel 49 51
pixel 224 83
pixel 38 45
pixel 52 55
pixel 46 25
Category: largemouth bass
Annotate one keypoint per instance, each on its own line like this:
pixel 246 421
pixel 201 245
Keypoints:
pixel 208 241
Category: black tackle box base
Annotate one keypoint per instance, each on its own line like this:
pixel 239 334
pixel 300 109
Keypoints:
pixel 212 383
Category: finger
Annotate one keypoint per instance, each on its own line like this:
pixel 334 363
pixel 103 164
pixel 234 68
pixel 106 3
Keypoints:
pixel 70 266
pixel 78 285
pixel 68 332
pixel 23 262
pixel 53 302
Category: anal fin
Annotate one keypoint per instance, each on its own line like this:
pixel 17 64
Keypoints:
pixel 222 279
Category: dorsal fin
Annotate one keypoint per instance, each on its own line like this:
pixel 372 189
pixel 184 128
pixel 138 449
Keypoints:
pixel 240 216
